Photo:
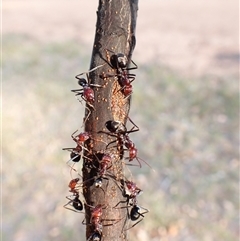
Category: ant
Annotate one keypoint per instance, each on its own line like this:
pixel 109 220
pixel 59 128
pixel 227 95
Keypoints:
pixel 75 202
pixel 76 152
pixel 103 166
pixel 117 128
pixel 133 151
pixel 86 93
pixel 97 222
pixel 131 191
pixel 119 62
pixel 122 134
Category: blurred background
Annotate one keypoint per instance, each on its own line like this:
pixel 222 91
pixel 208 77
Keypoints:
pixel 185 102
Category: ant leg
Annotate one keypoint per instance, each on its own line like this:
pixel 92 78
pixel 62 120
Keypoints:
pixel 88 114
pixel 134 126
pixel 132 165
pixel 77 91
pixel 134 225
pixel 99 66
pixel 138 159
pixel 121 206
pixel 135 66
pixel 110 220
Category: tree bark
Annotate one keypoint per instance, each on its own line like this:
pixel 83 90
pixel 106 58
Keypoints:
pixel 115 33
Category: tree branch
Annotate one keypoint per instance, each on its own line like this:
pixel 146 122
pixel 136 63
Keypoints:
pixel 115 33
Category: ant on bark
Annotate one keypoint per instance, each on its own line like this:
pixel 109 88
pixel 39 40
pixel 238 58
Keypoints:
pixel 119 62
pixel 100 168
pixel 76 152
pixel 119 130
pixel 86 93
pixel 97 222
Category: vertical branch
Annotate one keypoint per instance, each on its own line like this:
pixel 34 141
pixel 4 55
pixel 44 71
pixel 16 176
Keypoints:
pixel 115 33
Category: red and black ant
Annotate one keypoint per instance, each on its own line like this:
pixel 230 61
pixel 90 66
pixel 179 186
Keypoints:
pixel 75 202
pixel 133 151
pixel 119 130
pixel 96 218
pixel 131 191
pixel 86 93
pixel 101 168
pixel 76 152
pixel 97 222
pixel 120 62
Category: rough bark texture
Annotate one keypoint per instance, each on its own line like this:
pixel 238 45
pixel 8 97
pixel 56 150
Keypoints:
pixel 115 33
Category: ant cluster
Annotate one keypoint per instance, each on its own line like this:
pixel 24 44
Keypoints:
pixel 101 167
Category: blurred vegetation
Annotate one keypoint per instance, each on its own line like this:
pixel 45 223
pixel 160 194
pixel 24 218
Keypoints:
pixel 188 134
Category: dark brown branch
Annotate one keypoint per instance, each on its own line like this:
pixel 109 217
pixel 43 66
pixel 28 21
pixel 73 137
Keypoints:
pixel 115 33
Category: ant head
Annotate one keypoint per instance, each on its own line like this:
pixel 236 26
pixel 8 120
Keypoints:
pixel 116 127
pixel 82 82
pixel 119 60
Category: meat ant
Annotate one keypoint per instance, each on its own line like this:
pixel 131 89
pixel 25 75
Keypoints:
pixel 86 93
pixel 97 222
pixel 131 191
pixel 119 130
pixel 102 166
pixel 119 62
pixel 75 202
pixel 77 152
